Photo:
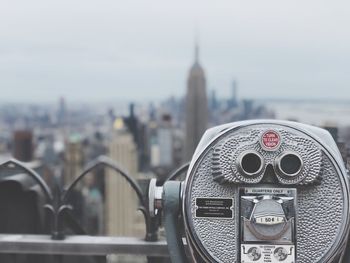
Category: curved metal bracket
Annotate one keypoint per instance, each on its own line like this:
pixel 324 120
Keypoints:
pixel 12 163
pixel 107 162
pixel 174 175
pixel 58 208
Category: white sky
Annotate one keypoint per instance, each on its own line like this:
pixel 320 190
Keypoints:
pixel 104 50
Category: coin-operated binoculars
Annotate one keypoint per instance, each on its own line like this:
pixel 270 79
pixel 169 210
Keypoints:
pixel 259 192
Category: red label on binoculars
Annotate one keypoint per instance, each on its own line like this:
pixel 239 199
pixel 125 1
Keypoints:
pixel 270 140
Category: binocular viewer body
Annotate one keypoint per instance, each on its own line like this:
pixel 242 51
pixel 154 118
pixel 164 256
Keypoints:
pixel 260 192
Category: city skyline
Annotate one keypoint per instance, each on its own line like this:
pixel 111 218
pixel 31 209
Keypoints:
pixel 154 131
pixel 133 51
pixel 196 106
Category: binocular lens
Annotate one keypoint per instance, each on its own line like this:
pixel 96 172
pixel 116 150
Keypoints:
pixel 290 164
pixel 251 163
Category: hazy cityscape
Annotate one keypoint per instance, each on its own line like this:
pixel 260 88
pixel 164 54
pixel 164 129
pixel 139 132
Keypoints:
pixel 149 139
pixel 140 83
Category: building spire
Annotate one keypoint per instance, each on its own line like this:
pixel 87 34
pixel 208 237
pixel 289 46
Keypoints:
pixel 196 47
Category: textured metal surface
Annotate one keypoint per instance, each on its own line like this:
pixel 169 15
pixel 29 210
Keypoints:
pixel 322 211
pixel 228 150
pixel 218 235
pixel 321 214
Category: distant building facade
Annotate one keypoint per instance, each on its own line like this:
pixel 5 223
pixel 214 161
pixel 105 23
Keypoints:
pixel 162 144
pixel 23 145
pixel 73 159
pixel 121 203
pixel 196 107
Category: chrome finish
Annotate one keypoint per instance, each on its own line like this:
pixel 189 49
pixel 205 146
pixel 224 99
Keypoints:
pixel 279 169
pixel 322 185
pixel 155 194
pixel 240 165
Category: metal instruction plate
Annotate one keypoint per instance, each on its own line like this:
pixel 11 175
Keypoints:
pixel 214 207
pixel 271 191
pixel 257 253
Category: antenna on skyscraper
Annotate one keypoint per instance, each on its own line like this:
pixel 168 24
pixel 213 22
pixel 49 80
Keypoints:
pixel 196 44
pixel 234 90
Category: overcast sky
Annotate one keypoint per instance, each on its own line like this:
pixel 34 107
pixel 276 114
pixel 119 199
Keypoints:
pixel 104 50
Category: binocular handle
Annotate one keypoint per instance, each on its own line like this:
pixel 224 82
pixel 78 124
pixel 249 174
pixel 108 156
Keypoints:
pixel 171 208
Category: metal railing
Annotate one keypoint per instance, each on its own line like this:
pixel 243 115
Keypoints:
pixel 59 212
pixel 81 245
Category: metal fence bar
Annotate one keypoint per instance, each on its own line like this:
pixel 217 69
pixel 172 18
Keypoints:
pixel 178 172
pixel 80 245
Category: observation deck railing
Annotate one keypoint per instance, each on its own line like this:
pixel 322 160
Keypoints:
pixel 59 212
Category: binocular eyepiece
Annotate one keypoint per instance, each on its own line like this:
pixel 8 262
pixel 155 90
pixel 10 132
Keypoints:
pixel 289 164
pixel 262 192
pixel 251 163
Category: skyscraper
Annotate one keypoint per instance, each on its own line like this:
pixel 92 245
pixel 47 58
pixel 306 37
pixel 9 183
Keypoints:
pixel 23 145
pixel 73 158
pixel 196 106
pixel 233 102
pixel 122 217
pixel 121 202
pixel 162 144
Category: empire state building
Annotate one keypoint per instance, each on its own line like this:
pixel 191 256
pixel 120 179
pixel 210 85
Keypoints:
pixel 196 106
